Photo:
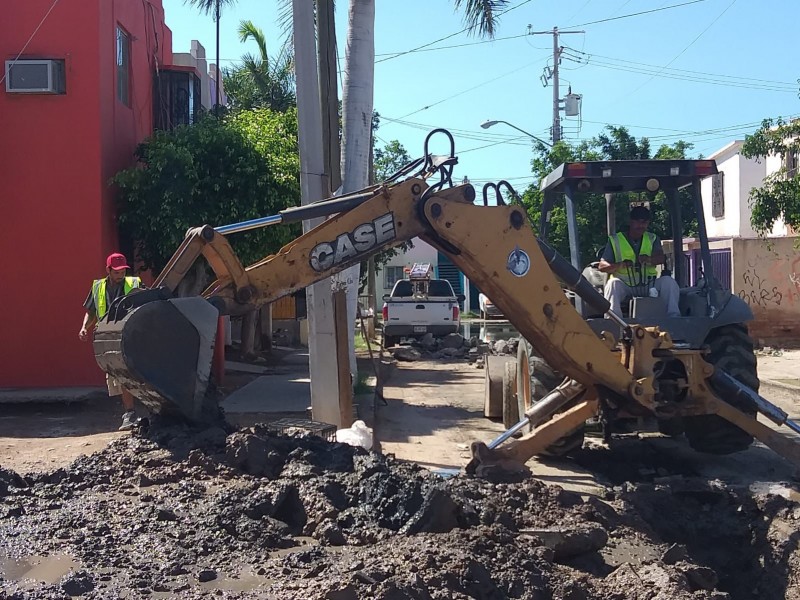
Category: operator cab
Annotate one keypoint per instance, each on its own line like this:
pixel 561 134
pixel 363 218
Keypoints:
pixel 575 186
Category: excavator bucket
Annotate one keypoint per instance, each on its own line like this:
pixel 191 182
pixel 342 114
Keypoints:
pixel 161 352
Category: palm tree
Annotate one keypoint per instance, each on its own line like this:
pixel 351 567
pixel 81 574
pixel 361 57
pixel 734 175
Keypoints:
pixel 358 84
pixel 214 7
pixel 357 94
pixel 273 79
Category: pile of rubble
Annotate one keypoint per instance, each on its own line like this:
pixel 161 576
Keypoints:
pixel 453 346
pixel 251 514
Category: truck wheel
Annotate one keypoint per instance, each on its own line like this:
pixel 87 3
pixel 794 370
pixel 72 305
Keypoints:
pixel 731 349
pixel 535 378
pixel 390 340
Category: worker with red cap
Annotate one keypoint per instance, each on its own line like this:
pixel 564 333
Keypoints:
pixel 104 291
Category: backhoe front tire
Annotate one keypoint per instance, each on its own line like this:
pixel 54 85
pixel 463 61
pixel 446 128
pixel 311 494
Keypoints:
pixel 535 378
pixel 731 350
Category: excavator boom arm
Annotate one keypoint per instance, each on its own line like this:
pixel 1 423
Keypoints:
pixel 494 246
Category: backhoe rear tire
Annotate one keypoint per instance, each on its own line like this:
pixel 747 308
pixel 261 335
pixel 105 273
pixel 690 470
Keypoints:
pixel 731 350
pixel 535 378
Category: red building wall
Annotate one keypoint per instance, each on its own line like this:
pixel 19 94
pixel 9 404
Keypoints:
pixel 57 154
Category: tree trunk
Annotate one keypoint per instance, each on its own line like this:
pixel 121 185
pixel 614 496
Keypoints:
pixel 357 106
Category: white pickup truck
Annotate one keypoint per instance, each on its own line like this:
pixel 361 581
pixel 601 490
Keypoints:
pixel 417 307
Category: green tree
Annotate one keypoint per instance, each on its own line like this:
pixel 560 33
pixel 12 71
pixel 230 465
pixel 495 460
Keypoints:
pixel 261 82
pixel 386 161
pixel 218 171
pixel 779 196
pixel 389 159
pixel 615 143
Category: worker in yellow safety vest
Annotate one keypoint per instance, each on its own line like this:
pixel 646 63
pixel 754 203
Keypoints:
pixel 630 258
pixel 104 291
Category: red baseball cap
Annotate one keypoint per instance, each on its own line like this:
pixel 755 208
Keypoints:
pixel 116 262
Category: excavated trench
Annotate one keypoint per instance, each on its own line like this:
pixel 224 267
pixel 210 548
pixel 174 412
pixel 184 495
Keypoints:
pixel 179 514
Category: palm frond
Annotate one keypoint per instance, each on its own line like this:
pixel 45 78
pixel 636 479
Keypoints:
pixel 248 31
pixel 209 7
pixel 481 15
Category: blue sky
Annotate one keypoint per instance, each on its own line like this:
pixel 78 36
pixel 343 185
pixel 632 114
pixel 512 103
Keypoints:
pixel 706 72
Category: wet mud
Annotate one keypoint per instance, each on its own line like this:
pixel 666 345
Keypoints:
pixel 176 513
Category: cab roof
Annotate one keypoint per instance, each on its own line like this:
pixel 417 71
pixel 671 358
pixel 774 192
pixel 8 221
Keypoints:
pixel 610 176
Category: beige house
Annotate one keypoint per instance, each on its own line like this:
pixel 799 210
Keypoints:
pixel 763 272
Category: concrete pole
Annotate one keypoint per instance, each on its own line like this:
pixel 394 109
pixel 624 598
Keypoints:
pixel 323 362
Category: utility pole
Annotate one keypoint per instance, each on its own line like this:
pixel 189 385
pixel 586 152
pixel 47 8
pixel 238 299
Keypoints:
pixel 553 74
pixel 323 356
pixel 556 100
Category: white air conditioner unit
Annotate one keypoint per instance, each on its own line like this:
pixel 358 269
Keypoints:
pixel 35 76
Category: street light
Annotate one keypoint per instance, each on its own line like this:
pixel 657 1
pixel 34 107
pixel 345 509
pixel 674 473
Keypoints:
pixel 487 124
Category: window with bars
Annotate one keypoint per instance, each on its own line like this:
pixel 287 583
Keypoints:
pixel 790 164
pixel 718 195
pixel 123 66
pixel 176 98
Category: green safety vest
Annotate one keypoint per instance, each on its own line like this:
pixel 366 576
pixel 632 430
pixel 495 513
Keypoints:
pixel 624 251
pixel 99 293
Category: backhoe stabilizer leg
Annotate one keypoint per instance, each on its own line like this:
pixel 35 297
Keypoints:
pixel 787 447
pixel 513 456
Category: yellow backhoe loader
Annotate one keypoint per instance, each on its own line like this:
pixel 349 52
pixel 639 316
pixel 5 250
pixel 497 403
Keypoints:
pixel 160 346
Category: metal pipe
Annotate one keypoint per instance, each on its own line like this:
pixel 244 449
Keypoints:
pixel 248 225
pixel 673 200
pixel 507 434
pixel 322 208
pixel 705 252
pixel 617 319
pixel 542 409
pixel 730 386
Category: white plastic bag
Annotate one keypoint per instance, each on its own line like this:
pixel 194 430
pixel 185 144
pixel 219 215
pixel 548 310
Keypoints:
pixel 357 435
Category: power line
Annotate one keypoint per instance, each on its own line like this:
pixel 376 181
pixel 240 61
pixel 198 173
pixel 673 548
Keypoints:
pixel 447 37
pixel 481 136
pixel 590 55
pixel 464 45
pixel 636 14
pixel 579 11
pixel 44 18
pixel 719 16
pixel 707 79
pixel 425 47
pixel 474 87
pixel 724 132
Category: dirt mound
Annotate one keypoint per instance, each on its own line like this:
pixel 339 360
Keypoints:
pixel 251 514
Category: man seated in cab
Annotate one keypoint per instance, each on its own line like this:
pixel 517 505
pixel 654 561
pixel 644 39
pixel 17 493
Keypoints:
pixel 630 259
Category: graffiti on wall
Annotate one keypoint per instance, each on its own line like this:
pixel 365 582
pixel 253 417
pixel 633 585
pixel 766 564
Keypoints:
pixel 771 282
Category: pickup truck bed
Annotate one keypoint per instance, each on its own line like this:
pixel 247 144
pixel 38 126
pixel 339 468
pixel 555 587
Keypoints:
pixel 408 315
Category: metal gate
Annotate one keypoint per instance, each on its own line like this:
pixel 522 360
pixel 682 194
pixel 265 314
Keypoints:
pixel 721 266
